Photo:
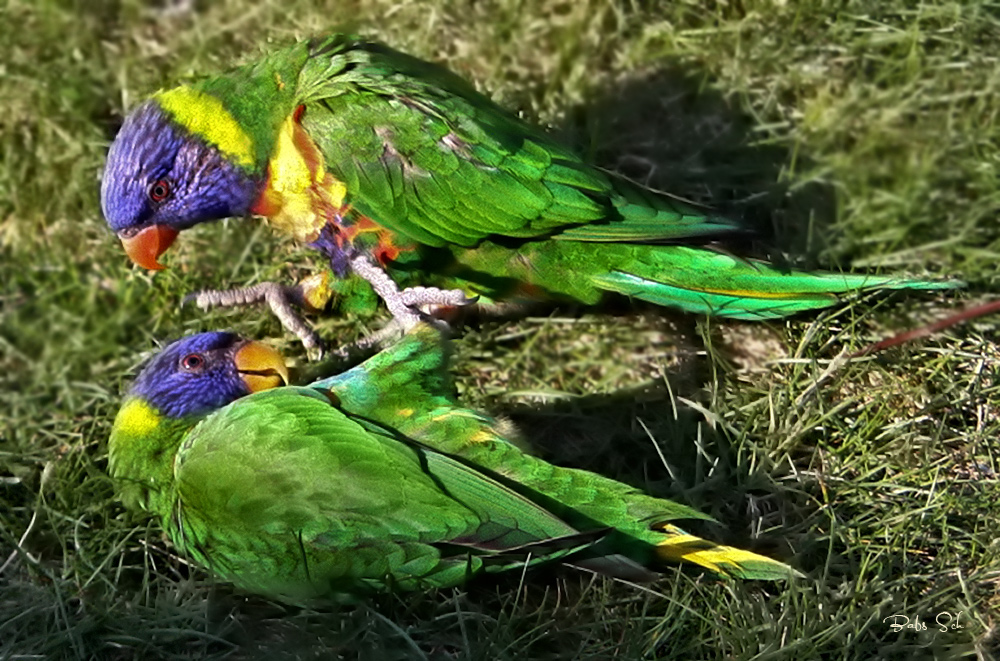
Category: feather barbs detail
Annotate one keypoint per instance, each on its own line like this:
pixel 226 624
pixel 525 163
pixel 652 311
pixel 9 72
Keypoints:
pixel 300 196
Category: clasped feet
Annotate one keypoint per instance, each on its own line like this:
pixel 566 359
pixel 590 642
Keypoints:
pixel 409 306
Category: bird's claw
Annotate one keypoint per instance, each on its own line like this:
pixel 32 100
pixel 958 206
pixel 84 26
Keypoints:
pixel 406 305
pixel 282 299
pixel 433 297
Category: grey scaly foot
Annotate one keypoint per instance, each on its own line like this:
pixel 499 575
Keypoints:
pixel 433 297
pixel 405 305
pixel 282 299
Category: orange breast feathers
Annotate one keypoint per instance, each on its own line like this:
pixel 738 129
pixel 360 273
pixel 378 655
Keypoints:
pixel 300 196
pixel 382 244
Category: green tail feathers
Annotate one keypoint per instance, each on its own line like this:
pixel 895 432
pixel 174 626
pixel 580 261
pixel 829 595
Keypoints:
pixel 706 282
pixel 694 279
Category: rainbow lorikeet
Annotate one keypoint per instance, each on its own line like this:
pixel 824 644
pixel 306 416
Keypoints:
pixel 347 487
pixel 389 164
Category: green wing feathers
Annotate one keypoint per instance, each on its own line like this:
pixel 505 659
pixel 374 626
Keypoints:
pixel 426 155
pixel 643 215
pixel 284 494
pixel 585 500
pixel 479 199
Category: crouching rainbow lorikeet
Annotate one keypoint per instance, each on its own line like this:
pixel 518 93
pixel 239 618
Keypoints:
pixel 300 493
pixel 387 163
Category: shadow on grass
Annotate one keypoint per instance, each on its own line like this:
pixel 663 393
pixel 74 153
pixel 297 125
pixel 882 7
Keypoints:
pixel 645 438
pixel 670 130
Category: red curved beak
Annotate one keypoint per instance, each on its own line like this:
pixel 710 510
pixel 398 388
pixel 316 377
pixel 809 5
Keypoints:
pixel 146 247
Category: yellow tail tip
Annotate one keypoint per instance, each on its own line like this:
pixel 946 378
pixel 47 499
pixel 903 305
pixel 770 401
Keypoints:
pixel 679 546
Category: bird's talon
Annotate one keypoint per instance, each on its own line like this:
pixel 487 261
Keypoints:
pixel 281 299
pixel 416 297
pixel 315 351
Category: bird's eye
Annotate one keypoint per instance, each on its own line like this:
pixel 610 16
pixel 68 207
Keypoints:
pixel 193 362
pixel 159 190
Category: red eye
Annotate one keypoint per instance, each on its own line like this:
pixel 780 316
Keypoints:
pixel 193 361
pixel 159 190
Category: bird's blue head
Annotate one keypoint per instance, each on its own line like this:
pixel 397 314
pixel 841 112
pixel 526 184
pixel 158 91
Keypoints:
pixel 201 373
pixel 166 172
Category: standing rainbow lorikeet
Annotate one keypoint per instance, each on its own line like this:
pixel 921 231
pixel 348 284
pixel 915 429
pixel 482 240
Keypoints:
pixel 299 493
pixel 389 164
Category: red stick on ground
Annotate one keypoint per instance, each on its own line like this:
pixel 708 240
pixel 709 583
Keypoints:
pixel 957 318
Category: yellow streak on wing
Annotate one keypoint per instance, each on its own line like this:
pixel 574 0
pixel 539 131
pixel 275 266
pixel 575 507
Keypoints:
pixel 483 436
pixel 746 293
pixel 301 196
pixel 205 116
pixel 136 418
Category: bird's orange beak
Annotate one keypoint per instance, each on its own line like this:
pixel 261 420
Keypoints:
pixel 146 247
pixel 261 366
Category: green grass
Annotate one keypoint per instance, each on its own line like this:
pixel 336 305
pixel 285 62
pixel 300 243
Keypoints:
pixel 861 134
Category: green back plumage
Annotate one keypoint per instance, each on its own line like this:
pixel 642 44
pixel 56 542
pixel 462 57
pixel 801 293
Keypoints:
pixel 426 155
pixel 410 375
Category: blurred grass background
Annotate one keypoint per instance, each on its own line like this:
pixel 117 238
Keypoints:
pixel 855 134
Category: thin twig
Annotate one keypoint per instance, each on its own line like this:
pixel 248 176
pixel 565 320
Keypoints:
pixel 924 331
